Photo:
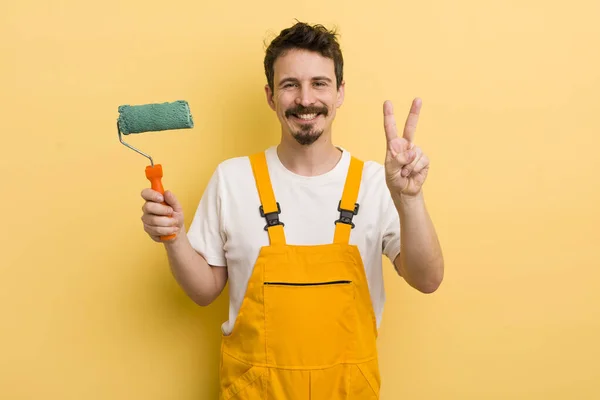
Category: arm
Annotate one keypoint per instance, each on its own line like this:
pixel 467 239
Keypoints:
pixel 420 261
pixel 202 282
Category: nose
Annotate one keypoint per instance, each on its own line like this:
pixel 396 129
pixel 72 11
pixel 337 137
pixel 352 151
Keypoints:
pixel 305 96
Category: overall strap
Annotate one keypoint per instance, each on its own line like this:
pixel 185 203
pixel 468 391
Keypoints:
pixel 269 208
pixel 348 207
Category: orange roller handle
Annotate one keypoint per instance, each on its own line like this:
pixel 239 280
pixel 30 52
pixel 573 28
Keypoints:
pixel 154 175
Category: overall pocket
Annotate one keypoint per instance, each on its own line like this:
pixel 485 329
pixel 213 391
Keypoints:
pixel 240 380
pixel 366 381
pixel 308 323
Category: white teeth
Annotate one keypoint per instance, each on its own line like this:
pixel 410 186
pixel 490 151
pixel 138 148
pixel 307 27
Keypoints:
pixel 307 116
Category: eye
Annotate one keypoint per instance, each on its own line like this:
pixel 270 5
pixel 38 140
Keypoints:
pixel 320 83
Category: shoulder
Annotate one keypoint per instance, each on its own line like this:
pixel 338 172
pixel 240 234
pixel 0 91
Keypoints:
pixel 375 195
pixel 233 175
pixel 373 184
pixel 373 170
pixel 232 170
pixel 373 173
pixel 233 165
pixel 373 181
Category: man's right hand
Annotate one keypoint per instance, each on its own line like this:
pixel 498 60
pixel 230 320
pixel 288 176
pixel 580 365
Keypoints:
pixel 159 219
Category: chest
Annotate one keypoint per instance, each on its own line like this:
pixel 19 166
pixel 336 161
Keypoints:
pixel 309 215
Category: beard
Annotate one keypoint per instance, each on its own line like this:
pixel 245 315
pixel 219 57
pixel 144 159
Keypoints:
pixel 306 135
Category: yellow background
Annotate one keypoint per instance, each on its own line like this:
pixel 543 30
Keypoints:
pixel 510 121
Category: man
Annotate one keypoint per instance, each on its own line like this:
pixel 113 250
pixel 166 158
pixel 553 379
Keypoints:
pixel 299 231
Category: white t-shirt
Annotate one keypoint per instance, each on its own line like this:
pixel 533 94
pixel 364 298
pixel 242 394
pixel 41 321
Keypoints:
pixel 228 231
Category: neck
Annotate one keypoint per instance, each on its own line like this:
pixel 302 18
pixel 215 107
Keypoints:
pixel 312 160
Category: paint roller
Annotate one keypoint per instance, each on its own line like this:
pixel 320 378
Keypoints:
pixel 153 118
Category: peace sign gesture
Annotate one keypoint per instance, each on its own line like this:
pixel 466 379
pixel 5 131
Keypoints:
pixel 406 166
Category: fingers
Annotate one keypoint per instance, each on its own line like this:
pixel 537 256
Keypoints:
pixel 171 200
pixel 158 218
pixel 151 207
pixel 405 158
pixel 155 232
pixel 421 165
pixel 158 225
pixel 389 121
pixel 408 168
pixel 152 195
pixel 410 127
pixel 420 162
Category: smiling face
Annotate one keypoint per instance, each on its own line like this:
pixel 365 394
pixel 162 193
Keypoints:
pixel 305 96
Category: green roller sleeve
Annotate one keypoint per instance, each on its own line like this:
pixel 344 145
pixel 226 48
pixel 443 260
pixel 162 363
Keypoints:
pixel 155 117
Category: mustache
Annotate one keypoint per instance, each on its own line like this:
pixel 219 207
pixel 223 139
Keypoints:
pixel 300 109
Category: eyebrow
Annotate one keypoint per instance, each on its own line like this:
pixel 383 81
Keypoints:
pixel 293 80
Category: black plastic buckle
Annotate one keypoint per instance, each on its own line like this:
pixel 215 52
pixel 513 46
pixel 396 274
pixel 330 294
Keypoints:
pixel 347 215
pixel 272 217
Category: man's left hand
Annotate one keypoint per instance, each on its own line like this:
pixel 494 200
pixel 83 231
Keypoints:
pixel 406 165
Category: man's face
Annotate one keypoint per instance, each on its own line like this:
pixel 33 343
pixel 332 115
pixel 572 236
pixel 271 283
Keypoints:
pixel 305 95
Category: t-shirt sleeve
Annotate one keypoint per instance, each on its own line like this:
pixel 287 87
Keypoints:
pixel 206 229
pixel 391 230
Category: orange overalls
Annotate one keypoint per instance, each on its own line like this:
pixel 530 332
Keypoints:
pixel 306 328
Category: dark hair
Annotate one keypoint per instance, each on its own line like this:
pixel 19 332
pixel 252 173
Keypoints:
pixel 303 36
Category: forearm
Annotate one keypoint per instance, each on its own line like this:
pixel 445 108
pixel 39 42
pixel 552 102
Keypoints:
pixel 201 282
pixel 420 261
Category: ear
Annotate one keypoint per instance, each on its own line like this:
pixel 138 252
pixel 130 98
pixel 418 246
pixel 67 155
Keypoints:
pixel 269 94
pixel 340 94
